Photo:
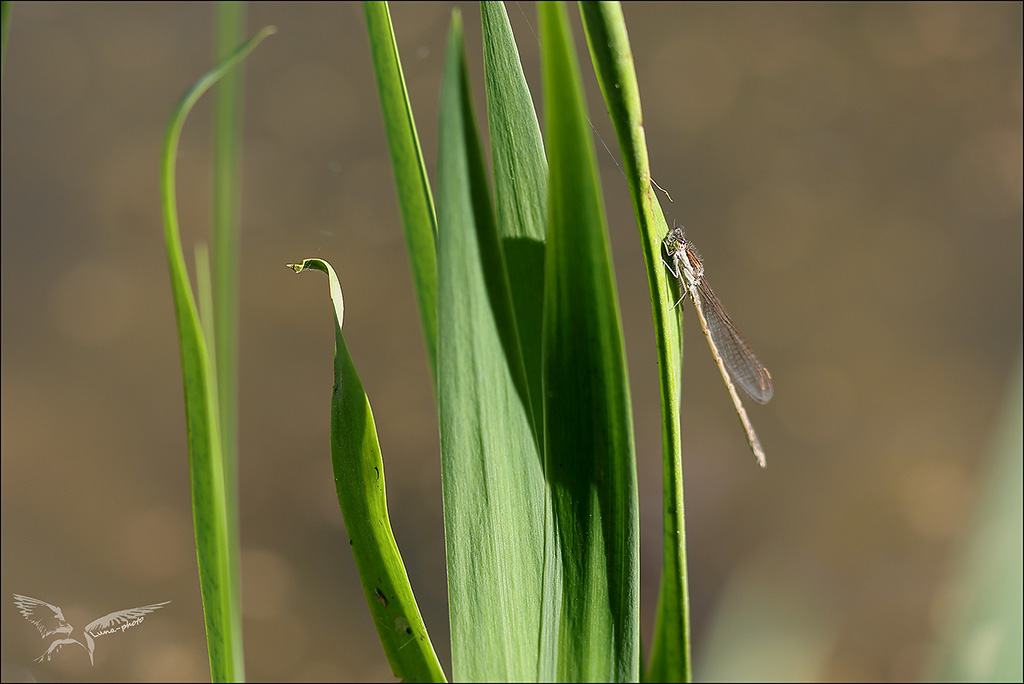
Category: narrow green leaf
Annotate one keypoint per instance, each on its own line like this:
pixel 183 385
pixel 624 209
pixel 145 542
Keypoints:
pixel 414 196
pixel 359 480
pixel 491 468
pixel 520 186
pixel 206 470
pixel 5 24
pixel 613 62
pixel 204 297
pixel 589 453
pixel 226 247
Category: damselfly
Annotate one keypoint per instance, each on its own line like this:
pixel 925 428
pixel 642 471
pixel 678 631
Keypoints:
pixel 735 360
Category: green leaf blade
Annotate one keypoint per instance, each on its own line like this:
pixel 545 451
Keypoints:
pixel 226 248
pixel 520 186
pixel 206 469
pixel 359 480
pixel 415 199
pixel 589 453
pixel 491 467
pixel 225 244
pixel 613 63
pixel 5 25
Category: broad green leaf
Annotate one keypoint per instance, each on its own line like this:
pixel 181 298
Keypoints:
pixel 613 64
pixel 206 469
pixel 520 186
pixel 593 562
pixel 359 480
pixel 410 173
pixel 491 468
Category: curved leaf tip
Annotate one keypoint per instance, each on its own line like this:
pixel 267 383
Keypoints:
pixel 336 296
pixel 316 264
pixel 266 31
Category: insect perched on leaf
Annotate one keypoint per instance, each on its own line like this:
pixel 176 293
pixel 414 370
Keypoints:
pixel 736 362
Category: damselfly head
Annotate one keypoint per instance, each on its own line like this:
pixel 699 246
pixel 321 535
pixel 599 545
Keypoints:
pixel 674 241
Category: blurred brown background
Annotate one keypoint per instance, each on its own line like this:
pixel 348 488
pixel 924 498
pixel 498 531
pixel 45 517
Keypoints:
pixel 850 172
